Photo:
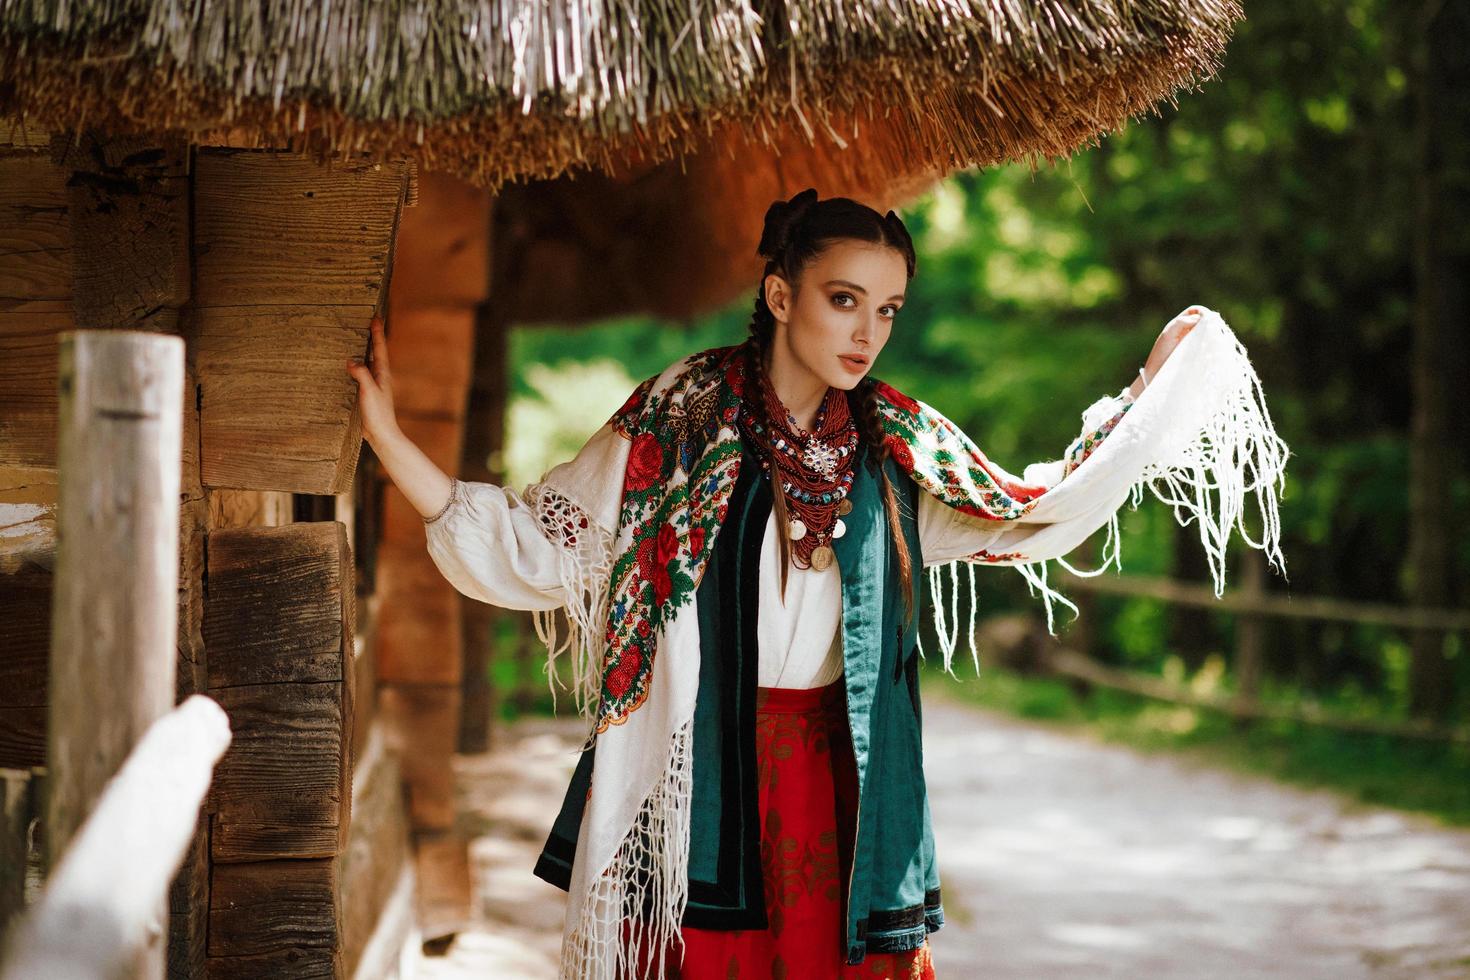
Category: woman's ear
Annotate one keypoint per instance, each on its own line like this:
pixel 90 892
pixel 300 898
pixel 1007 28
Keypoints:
pixel 778 297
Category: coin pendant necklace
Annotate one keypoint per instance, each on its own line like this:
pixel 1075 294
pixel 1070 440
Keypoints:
pixel 814 469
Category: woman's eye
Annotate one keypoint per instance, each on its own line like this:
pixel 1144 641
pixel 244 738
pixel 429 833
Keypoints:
pixel 892 311
pixel 837 297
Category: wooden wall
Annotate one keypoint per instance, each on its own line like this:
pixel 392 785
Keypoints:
pixel 270 266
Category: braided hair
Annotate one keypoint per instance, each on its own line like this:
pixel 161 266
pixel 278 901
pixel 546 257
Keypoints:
pixel 795 233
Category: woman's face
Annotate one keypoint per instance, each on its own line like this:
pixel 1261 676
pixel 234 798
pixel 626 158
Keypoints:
pixel 836 324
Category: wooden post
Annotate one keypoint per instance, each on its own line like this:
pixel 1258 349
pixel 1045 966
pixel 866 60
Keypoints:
pixel 99 906
pixel 482 459
pixel 115 602
pixel 17 808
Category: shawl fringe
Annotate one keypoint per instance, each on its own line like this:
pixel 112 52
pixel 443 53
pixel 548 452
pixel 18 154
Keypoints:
pixel 635 905
pixel 586 561
pixel 1204 475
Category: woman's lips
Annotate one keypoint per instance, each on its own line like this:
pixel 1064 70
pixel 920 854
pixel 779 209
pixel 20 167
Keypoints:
pixel 852 363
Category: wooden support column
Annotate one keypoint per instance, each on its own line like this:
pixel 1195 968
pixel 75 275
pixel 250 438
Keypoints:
pixel 439 281
pixel 114 615
pixel 483 459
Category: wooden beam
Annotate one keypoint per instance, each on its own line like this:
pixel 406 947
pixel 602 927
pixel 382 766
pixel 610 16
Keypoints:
pixel 129 208
pixel 278 627
pixel 277 919
pixel 293 260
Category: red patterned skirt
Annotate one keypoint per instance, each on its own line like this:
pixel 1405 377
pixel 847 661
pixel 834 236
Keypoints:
pixel 808 803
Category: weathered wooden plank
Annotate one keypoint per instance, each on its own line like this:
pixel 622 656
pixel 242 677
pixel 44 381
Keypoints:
pixel 422 722
pixel 278 627
pixel 278 408
pixel 377 847
pixel 23 737
pixel 35 233
pixel 284 769
pixel 273 225
pixel 128 201
pixel 278 919
pixel 188 906
pixel 28 350
pixel 275 606
pixel 293 260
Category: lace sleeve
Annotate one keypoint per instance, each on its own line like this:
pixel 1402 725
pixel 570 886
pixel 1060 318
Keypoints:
pixel 547 550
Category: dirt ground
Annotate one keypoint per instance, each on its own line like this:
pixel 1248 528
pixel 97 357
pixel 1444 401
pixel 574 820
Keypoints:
pixel 1060 858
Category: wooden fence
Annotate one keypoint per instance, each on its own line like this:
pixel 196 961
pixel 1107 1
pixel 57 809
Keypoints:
pixel 1254 607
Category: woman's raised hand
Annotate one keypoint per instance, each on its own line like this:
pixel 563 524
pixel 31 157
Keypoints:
pixel 1174 331
pixel 375 389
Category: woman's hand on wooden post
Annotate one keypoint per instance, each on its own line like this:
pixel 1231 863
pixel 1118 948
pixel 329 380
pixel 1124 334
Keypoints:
pixel 375 388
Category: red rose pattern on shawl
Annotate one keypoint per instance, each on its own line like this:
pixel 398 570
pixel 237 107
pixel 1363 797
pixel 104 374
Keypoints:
pixel 680 474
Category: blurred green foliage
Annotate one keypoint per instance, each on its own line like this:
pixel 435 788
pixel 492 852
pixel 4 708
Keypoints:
pixel 1279 194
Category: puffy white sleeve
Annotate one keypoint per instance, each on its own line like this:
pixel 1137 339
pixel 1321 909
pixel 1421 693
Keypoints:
pixel 546 549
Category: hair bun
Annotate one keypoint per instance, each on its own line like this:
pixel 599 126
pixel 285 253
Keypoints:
pixel 782 218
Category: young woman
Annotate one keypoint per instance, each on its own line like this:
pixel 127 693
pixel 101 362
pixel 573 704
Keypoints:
pixel 737 554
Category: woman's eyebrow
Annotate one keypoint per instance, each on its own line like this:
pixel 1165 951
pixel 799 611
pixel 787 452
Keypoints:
pixel 855 286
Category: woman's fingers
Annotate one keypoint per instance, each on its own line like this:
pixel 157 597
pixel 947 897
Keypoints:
pixel 379 350
pixel 361 374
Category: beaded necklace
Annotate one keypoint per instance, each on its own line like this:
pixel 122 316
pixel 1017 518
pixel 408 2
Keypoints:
pixel 815 468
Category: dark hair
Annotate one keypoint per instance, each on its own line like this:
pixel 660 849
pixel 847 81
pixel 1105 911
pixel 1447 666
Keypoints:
pixel 795 233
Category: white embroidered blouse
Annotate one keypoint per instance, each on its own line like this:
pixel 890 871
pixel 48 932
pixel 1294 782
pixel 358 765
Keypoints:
pixel 493 547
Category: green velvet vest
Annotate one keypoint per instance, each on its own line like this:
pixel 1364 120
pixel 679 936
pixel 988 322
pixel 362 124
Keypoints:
pixel 894 891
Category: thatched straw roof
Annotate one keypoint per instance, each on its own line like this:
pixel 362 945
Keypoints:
pixel 514 89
